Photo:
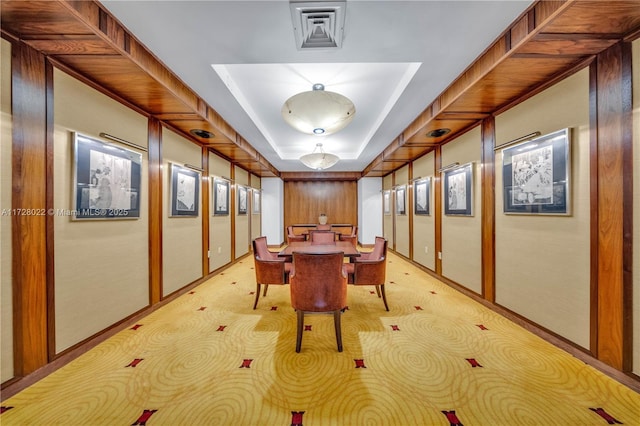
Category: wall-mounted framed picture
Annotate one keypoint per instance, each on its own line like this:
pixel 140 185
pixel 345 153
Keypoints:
pixel 401 200
pixel 106 180
pixel 256 202
pixel 536 174
pixel 242 199
pixel 220 197
pixel 421 196
pixel 458 190
pixel 185 192
pixel 386 201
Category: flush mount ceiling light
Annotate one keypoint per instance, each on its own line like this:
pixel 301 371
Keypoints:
pixel 318 112
pixel 318 159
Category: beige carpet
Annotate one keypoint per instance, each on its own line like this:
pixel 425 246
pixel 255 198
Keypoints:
pixel 437 358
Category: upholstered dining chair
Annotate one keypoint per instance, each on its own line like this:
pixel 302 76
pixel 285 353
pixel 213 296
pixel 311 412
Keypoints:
pixel 370 269
pixel 352 237
pixel 322 237
pixel 269 268
pixel 291 236
pixel 318 284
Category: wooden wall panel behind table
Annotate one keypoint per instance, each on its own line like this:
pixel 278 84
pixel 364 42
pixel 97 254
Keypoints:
pixel 305 200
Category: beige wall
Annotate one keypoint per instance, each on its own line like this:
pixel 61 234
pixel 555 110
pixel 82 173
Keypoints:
pixel 219 226
pixel 181 236
pixel 542 262
pixel 113 281
pixel 402 221
pixel 636 206
pixel 242 220
pixel 424 238
pixel 256 224
pixel 387 183
pixel 461 235
pixel 6 316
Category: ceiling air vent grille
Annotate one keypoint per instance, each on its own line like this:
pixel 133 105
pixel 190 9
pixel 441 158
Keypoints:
pixel 318 25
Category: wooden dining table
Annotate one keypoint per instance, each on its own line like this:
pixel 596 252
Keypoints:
pixel 345 247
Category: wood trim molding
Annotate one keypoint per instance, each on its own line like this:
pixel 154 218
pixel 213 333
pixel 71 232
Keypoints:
pixel 488 180
pixel 437 207
pixel 206 183
pixel 614 192
pixel 155 211
pixel 29 188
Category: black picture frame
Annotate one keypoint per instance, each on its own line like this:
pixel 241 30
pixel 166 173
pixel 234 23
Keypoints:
pixel 220 197
pixel 422 197
pixel 106 180
pixel 401 200
pixel 185 192
pixel 458 191
pixel 536 175
pixel 242 200
pixel 256 202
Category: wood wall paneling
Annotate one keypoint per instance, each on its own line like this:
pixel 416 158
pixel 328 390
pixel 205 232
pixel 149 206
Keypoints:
pixel 305 200
pixel 30 122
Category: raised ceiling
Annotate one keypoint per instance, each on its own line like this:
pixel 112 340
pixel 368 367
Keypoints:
pixel 225 66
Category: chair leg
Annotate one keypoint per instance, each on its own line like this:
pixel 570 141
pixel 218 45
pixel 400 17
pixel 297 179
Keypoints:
pixel 257 295
pixel 378 290
pixel 266 286
pixel 336 322
pixel 384 297
pixel 299 330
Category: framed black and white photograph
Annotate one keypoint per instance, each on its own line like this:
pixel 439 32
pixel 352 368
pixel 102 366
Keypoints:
pixel 386 201
pixel 220 197
pixel 458 190
pixel 256 201
pixel 106 180
pixel 421 196
pixel 242 199
pixel 536 175
pixel 401 202
pixel 185 192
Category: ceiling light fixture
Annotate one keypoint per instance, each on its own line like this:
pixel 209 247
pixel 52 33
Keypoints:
pixel 318 112
pixel 318 159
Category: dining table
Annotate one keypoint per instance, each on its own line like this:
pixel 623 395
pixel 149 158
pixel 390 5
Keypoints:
pixel 345 247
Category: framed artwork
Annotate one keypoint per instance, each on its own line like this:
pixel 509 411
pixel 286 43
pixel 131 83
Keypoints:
pixel 536 173
pixel 220 197
pixel 256 201
pixel 242 199
pixel 421 196
pixel 106 180
pixel 386 201
pixel 401 202
pixel 185 192
pixel 458 191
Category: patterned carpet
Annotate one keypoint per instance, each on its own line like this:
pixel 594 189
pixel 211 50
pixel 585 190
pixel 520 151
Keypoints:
pixel 437 358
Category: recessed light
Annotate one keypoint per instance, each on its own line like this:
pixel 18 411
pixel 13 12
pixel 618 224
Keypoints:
pixel 438 132
pixel 204 134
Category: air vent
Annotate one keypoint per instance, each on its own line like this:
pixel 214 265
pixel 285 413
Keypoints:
pixel 318 25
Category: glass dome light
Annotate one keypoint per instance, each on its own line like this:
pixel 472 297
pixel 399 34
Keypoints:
pixel 318 112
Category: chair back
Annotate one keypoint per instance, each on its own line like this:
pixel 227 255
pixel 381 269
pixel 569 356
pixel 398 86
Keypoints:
pixel 325 227
pixel 318 282
pixel 322 237
pixel 261 249
pixel 379 249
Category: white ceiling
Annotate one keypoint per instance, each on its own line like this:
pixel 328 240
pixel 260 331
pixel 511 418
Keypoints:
pixel 241 58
